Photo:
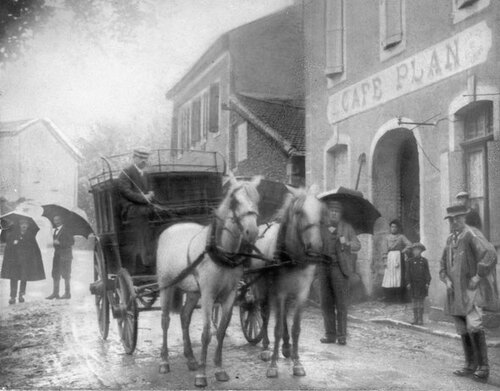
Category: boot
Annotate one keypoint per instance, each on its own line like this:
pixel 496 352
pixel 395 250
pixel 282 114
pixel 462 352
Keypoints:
pixel 67 290
pixel 415 316
pixel 12 300
pixel 483 370
pixel 55 293
pixel 421 316
pixel 470 364
pixel 22 291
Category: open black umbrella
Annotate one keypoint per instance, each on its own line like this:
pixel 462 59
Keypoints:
pixel 73 221
pixel 357 211
pixel 12 219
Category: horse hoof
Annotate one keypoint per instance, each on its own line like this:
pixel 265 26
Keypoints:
pixel 200 381
pixel 164 368
pixel 285 350
pixel 272 372
pixel 298 370
pixel 192 365
pixel 265 355
pixel 221 376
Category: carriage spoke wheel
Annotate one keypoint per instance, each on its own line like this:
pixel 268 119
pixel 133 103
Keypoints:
pixel 128 312
pixel 101 297
pixel 251 318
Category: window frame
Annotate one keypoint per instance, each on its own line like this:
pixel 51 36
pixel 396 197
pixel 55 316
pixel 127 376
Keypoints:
pixel 391 49
pixel 335 33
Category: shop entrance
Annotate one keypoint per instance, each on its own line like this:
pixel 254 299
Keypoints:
pixel 396 188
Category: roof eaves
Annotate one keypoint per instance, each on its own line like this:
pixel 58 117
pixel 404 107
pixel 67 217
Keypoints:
pixel 285 145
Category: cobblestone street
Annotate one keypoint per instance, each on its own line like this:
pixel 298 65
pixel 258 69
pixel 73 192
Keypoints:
pixel 56 344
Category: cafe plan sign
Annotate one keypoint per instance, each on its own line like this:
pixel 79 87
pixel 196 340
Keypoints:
pixel 449 57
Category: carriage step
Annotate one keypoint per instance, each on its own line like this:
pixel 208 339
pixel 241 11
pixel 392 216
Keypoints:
pixel 97 287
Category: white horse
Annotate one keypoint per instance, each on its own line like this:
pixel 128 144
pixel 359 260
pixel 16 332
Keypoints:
pixel 297 242
pixel 182 245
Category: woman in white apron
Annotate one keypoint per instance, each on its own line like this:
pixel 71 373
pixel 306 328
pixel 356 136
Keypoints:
pixel 394 246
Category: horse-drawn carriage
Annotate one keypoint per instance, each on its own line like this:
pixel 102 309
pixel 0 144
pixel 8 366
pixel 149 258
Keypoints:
pixel 184 192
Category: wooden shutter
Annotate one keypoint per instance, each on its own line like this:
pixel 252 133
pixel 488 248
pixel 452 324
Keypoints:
pixel 174 136
pixel 214 108
pixel 196 122
pixel 206 116
pixel 392 22
pixel 334 37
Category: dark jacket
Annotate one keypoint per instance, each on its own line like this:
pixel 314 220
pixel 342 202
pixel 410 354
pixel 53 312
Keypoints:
pixel 473 219
pixel 22 259
pixel 132 187
pixel 339 253
pixel 419 276
pixel 466 255
pixel 63 250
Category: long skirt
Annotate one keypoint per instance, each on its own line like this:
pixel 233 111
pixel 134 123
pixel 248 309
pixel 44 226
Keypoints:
pixel 392 275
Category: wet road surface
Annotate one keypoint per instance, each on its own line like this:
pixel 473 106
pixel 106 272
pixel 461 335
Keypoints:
pixel 52 344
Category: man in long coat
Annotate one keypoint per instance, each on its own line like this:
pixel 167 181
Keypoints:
pixel 468 268
pixel 63 258
pixel 136 207
pixel 22 259
pixel 341 243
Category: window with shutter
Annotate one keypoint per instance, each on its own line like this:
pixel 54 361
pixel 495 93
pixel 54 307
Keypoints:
pixel 334 39
pixel 391 23
pixel 173 137
pixel 214 108
pixel 205 115
pixel 196 122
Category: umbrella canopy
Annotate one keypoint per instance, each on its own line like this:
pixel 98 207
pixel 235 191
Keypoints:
pixel 13 218
pixel 357 211
pixel 73 221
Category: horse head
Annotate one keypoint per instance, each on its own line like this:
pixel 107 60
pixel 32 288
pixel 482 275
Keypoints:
pixel 304 220
pixel 239 211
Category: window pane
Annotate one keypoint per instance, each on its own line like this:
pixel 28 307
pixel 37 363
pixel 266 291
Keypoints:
pixel 478 121
pixel 334 37
pixel 475 173
pixel 340 173
pixel 206 115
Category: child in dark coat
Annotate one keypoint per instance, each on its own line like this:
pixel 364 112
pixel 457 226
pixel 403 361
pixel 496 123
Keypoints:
pixel 418 278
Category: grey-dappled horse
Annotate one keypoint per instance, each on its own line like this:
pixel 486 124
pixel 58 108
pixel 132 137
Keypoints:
pixel 183 244
pixel 297 242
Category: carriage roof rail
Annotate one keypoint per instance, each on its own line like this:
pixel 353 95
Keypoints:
pixel 164 160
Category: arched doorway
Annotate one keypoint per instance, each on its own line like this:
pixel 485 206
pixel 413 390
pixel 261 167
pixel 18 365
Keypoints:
pixel 395 188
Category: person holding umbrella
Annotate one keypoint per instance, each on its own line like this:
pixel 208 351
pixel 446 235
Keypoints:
pixel 22 260
pixel 63 256
pixel 341 243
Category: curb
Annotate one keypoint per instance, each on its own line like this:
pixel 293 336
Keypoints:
pixel 493 343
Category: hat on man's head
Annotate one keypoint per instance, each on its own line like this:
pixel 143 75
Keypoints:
pixel 141 152
pixel 456 210
pixel 462 194
pixel 418 245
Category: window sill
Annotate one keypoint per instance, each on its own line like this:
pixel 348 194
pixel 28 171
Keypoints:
pixel 476 141
pixel 334 71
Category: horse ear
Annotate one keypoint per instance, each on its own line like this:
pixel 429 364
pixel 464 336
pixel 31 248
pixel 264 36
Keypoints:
pixel 295 192
pixel 256 180
pixel 313 190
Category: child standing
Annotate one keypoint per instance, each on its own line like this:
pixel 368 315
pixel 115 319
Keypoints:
pixel 418 278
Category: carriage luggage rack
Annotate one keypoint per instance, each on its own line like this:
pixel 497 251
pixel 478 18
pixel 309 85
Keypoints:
pixel 163 161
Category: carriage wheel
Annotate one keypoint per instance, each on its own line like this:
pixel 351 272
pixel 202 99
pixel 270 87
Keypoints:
pixel 251 318
pixel 101 297
pixel 127 314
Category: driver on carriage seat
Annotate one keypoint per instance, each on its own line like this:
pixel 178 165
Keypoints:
pixel 136 207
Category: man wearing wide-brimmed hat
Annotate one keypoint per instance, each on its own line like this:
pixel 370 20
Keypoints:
pixel 341 244
pixel 468 268
pixel 472 217
pixel 136 205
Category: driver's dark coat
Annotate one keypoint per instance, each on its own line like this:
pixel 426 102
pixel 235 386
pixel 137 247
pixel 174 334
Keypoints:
pixel 132 187
pixel 338 252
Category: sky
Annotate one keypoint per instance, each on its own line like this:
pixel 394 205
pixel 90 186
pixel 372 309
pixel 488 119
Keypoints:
pixel 66 77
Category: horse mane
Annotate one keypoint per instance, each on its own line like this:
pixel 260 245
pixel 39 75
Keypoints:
pixel 250 190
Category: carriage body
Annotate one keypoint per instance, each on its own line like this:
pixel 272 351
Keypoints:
pixel 183 192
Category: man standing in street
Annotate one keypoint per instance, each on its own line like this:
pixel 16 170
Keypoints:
pixel 136 206
pixel 468 268
pixel 472 217
pixel 340 244
pixel 63 256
